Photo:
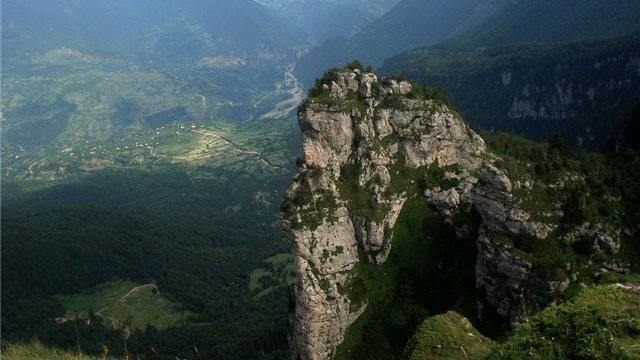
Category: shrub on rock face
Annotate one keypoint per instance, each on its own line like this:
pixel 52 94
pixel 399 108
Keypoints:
pixel 447 336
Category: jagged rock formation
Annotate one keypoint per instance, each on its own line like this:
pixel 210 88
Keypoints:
pixel 355 135
pixel 370 144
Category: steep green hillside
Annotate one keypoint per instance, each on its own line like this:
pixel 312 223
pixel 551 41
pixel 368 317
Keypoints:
pixel 603 191
pixel 552 21
pixel 600 323
pixel 580 90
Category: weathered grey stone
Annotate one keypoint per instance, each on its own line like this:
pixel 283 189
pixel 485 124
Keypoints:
pixel 422 132
pixel 603 238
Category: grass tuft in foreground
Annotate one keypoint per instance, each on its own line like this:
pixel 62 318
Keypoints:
pixel 37 351
pixel 601 323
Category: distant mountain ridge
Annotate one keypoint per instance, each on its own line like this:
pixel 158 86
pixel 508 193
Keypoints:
pixel 324 19
pixel 145 26
pixel 470 24
pixel 523 21
pixel 411 23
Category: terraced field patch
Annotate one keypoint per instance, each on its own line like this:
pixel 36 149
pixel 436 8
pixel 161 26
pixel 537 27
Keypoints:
pixel 125 304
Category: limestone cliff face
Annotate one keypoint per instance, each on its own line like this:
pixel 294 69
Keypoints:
pixel 369 144
pixel 351 143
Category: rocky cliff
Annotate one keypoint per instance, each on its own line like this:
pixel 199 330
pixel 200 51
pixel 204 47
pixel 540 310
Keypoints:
pixel 370 144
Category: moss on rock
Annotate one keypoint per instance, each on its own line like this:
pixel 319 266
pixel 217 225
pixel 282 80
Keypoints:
pixel 448 336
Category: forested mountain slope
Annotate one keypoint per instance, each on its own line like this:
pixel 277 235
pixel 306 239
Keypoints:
pixel 580 90
pixel 471 24
pixel 526 21
pixel 202 239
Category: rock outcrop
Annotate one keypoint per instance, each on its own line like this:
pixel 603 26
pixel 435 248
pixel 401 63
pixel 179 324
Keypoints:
pixel 346 197
pixel 369 144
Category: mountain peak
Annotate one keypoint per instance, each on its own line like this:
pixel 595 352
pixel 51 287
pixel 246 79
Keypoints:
pixel 364 139
pixel 370 146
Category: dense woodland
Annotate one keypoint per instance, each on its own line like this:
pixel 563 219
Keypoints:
pixel 165 226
